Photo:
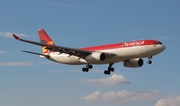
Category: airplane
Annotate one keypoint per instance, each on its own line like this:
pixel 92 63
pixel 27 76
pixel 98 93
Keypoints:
pixel 130 53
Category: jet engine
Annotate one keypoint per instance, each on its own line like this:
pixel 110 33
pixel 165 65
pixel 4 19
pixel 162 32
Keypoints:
pixel 95 56
pixel 133 63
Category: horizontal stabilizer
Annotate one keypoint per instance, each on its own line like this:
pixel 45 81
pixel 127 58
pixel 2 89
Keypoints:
pixel 47 56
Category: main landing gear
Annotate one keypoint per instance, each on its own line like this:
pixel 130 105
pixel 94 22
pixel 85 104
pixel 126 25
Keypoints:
pixel 149 60
pixel 86 69
pixel 109 70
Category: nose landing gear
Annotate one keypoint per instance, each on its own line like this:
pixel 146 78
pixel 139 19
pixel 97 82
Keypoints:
pixel 149 60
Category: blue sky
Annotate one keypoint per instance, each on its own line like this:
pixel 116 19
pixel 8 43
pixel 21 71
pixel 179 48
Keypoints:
pixel 32 81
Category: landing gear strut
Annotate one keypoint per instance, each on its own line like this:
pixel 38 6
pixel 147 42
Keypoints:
pixel 86 69
pixel 110 69
pixel 149 60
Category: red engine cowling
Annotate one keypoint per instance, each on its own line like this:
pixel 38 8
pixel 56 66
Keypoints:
pixel 133 63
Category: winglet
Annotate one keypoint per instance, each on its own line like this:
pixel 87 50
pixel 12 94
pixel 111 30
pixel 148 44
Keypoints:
pixel 16 37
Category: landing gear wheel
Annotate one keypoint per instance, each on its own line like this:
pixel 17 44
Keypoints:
pixel 85 69
pixel 111 69
pixel 107 72
pixel 90 66
pixel 149 62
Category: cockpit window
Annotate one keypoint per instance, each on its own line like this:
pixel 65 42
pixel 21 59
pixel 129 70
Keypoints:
pixel 158 42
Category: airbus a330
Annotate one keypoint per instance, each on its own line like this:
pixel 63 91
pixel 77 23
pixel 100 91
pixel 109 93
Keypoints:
pixel 130 53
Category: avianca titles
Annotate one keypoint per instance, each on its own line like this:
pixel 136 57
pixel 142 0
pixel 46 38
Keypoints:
pixel 130 53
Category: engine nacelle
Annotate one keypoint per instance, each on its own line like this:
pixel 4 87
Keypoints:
pixel 95 56
pixel 133 63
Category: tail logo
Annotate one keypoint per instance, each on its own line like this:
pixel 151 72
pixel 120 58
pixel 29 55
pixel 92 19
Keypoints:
pixel 50 43
pixel 44 47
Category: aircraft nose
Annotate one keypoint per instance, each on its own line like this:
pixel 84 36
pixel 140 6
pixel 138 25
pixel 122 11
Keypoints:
pixel 163 47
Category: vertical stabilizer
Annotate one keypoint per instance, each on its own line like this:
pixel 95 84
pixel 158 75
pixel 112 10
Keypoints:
pixel 44 38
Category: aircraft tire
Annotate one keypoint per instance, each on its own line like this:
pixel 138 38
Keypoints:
pixel 107 72
pixel 149 62
pixel 90 66
pixel 85 69
pixel 111 69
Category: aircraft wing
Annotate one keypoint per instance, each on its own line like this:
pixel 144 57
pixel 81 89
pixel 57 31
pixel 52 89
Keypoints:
pixel 71 51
